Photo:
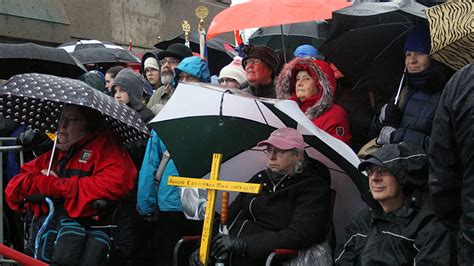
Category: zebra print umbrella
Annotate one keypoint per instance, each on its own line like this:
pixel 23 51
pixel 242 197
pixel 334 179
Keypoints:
pixel 452 33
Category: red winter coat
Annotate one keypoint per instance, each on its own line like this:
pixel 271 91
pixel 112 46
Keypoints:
pixel 319 108
pixel 96 167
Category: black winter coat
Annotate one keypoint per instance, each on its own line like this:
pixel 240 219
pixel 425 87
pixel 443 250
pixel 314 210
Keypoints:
pixel 418 110
pixel 291 214
pixel 451 155
pixel 266 91
pixel 409 236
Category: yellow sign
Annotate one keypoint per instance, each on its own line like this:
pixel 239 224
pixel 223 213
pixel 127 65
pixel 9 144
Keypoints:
pixel 212 185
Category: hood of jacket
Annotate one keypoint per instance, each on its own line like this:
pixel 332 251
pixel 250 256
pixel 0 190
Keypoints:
pixel 195 66
pixel 133 84
pixel 285 85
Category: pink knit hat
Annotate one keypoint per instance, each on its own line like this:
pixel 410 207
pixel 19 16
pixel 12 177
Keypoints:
pixel 285 138
pixel 234 70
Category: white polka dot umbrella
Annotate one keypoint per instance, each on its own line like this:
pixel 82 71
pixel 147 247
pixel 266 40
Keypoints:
pixel 37 100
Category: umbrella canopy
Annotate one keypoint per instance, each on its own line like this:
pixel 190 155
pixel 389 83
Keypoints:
pixel 84 44
pixel 452 33
pixel 232 125
pixel 216 52
pixel 30 57
pixel 37 100
pixel 264 13
pixel 104 55
pixel 367 39
pixel 294 35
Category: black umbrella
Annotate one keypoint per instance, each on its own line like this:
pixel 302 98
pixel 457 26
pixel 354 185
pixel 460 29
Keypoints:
pixel 37 100
pixel 104 55
pixel 366 41
pixel 218 56
pixel 294 35
pixel 30 57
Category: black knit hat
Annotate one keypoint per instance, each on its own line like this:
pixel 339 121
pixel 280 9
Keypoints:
pixel 264 53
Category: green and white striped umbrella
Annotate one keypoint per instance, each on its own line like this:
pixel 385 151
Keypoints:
pixel 202 119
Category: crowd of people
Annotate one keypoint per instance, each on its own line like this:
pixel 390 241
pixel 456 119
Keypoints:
pixel 417 159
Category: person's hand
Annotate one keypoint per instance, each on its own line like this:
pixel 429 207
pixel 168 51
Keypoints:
pixel 33 140
pixel 194 258
pixel 393 115
pixel 51 173
pixel 385 135
pixel 223 244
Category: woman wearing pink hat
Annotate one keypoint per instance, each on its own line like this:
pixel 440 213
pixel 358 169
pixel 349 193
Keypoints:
pixel 290 212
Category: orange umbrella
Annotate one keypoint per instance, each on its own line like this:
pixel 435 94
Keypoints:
pixel 264 13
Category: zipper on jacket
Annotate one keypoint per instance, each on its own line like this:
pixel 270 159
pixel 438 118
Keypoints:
pixel 250 209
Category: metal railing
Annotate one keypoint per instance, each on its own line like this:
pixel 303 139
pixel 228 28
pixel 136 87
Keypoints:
pixel 3 149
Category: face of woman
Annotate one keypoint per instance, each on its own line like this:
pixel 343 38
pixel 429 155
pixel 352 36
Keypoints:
pixel 121 95
pixel 305 86
pixel 73 125
pixel 416 62
pixel 282 161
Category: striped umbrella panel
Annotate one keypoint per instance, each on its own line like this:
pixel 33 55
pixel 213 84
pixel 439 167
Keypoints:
pixel 452 33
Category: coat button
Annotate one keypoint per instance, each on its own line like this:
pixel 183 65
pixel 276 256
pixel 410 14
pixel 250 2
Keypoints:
pixel 264 184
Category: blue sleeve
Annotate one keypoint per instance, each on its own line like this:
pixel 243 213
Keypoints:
pixel 146 194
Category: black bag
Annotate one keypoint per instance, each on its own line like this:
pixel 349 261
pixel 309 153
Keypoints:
pixel 48 235
pixel 70 242
pixel 96 249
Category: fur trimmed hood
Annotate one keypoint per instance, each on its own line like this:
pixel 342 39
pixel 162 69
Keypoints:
pixel 285 85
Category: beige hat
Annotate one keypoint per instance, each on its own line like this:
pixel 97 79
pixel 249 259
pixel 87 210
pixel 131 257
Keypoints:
pixel 234 70
pixel 151 62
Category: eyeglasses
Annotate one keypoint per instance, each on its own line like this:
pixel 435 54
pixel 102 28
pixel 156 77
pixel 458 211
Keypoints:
pixel 69 121
pixel 227 80
pixel 381 170
pixel 170 61
pixel 254 61
pixel 270 151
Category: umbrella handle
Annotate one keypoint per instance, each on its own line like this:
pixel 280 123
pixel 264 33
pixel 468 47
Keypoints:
pixel 52 154
pixel 397 97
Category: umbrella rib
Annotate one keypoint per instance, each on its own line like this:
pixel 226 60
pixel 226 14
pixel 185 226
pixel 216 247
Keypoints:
pixel 380 54
pixel 260 110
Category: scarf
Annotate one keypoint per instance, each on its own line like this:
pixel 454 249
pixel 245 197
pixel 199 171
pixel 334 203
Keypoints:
pixel 420 79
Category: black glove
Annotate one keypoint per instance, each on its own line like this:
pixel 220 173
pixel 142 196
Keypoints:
pixel 393 115
pixel 223 244
pixel 33 140
pixel 194 258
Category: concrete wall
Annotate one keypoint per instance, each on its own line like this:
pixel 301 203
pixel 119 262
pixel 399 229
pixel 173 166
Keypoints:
pixel 53 22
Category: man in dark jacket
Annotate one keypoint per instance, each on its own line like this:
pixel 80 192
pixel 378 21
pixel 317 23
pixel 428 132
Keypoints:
pixel 399 227
pixel 452 160
pixel 261 64
pixel 409 119
pixel 290 212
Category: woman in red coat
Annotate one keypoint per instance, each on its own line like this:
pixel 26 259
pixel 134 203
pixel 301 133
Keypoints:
pixel 89 164
pixel 302 81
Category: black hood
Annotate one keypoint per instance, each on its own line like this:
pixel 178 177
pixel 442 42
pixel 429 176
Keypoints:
pixel 407 162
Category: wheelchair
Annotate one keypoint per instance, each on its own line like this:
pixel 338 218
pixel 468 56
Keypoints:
pixel 187 244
